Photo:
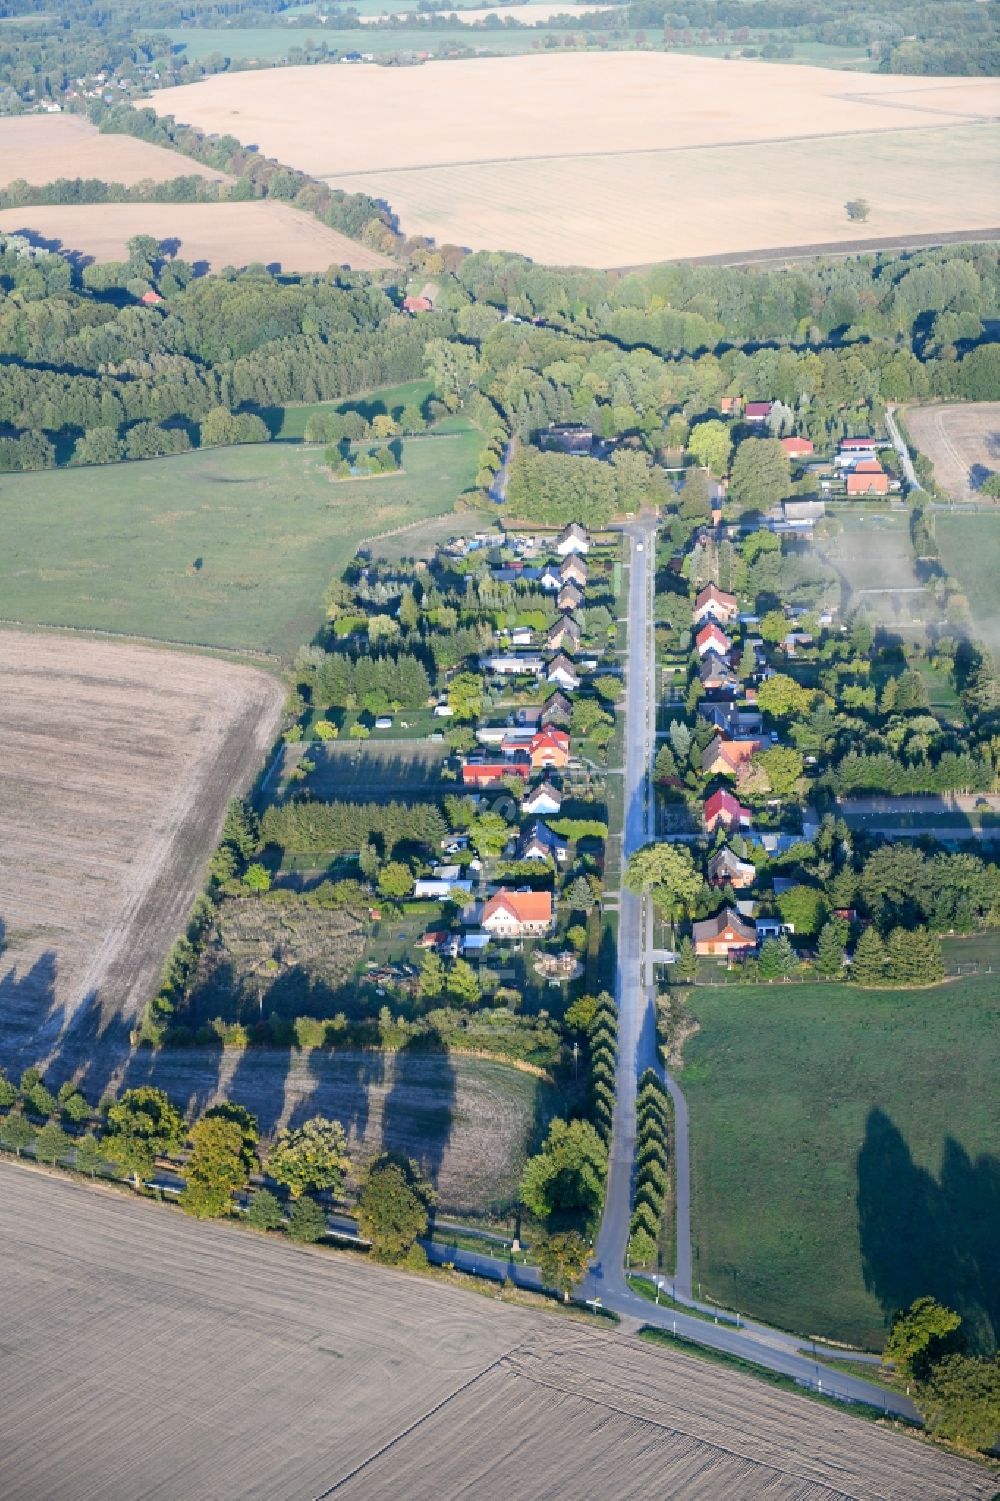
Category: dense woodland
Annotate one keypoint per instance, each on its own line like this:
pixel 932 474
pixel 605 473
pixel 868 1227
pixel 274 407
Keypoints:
pixel 92 374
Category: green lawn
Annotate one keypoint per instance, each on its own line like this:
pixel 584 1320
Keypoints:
pixel 841 1145
pixel 388 399
pixel 270 43
pixel 229 547
pixel 970 551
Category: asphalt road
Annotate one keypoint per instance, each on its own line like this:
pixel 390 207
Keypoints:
pixel 606 1280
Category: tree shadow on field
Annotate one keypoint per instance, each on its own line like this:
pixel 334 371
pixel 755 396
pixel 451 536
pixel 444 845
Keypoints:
pixel 924 1236
pixel 418 1117
pixel 29 1015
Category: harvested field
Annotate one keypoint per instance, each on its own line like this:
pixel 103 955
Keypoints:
pixel 40 148
pixel 116 764
pixel 962 442
pixel 666 168
pixel 209 235
pixel 312 1373
pixel 470 1122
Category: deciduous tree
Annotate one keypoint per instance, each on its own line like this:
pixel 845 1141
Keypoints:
pixel 309 1157
pixel 393 1206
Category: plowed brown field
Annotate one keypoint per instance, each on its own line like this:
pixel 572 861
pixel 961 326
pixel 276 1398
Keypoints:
pixel 116 764
pixel 962 441
pixel 149 1356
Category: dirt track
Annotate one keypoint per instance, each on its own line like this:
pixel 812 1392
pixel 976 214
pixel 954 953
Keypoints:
pixel 147 1356
pixel 116 764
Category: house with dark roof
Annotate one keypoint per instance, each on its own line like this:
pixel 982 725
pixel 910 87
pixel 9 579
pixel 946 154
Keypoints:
pixel 725 934
pixel 570 596
pixel 556 710
pixel 567 437
pixel 564 635
pixel 716 674
pixel 573 567
pixel 727 869
pixel 539 842
pixel 542 799
pixel 572 539
pixel 561 670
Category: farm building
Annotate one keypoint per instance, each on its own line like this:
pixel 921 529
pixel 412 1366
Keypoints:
pixel 724 934
pixel 517 914
pixel 573 539
pixel 727 869
pixel 543 799
pixel 723 810
pixel 491 773
pixel 567 437
pixel 713 603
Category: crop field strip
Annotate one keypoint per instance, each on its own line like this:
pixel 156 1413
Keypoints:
pixel 40 148
pixel 209 235
pixel 116 763
pixel 259 1370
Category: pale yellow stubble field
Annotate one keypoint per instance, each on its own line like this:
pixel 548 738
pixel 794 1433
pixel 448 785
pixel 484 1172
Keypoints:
pixel 961 441
pixel 40 148
pixel 216 234
pixel 622 158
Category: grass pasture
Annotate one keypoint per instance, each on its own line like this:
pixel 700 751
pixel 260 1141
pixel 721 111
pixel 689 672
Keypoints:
pixel 845 1153
pixel 970 551
pixel 227 547
pixel 870 549
pixel 961 440
pixel 670 166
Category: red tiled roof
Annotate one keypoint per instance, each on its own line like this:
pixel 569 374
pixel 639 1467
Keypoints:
pixel 525 906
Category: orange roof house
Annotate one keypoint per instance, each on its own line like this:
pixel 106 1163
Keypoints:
pixel 715 603
pixel 724 934
pixel 797 448
pixel 867 478
pixel 514 914
pixel 725 757
pixel 550 747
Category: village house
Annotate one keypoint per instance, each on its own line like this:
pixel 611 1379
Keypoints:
pixel 723 758
pixel 561 670
pixel 527 717
pixel 573 567
pixel 867 477
pixel 539 842
pixel 730 720
pixel 572 539
pixel 726 933
pixel 716 674
pixel 564 634
pixel 712 638
pixel 570 596
pixel 757 412
pixel 550 579
pixel 797 448
pixel 556 710
pixel 723 810
pixel 853 449
pixel 713 603
pixel 434 888
pixel 727 869
pixel 548 749
pixel 543 799
pixel 517 914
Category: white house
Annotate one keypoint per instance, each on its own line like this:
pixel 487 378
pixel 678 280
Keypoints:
pixel 573 539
